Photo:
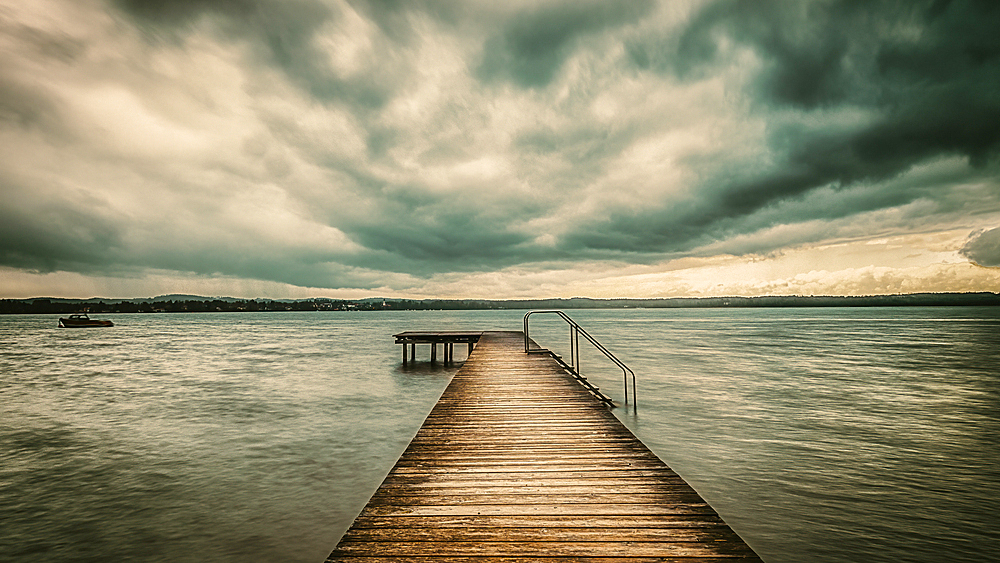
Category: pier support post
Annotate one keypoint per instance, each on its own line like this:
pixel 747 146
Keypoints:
pixel 446 339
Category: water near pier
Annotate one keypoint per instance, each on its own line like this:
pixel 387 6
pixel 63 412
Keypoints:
pixel 819 434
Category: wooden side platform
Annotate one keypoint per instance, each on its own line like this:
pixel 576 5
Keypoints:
pixel 517 462
pixel 447 338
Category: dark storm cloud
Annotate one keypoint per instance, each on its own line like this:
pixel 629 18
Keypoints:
pixel 461 241
pixel 928 73
pixel 410 229
pixel 62 232
pixel 816 54
pixel 533 44
pixel 984 248
pixel 282 32
pixel 24 104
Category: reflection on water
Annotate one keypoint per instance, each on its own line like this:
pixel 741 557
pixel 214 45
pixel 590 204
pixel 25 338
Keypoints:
pixel 819 434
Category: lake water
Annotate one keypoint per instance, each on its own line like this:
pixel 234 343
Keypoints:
pixel 830 435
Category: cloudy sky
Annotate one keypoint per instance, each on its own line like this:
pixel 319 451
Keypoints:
pixel 425 148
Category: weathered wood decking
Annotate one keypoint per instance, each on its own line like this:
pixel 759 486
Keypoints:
pixel 517 462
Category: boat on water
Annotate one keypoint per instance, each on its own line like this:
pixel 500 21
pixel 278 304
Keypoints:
pixel 81 320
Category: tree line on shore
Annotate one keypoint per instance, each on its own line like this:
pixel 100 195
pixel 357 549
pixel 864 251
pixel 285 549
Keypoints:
pixel 194 304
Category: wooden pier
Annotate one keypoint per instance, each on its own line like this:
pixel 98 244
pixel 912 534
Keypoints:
pixel 518 462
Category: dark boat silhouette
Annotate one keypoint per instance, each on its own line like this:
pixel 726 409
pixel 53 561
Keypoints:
pixel 81 320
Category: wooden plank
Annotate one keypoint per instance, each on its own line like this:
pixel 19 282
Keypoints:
pixel 437 477
pixel 543 522
pixel 606 548
pixel 518 462
pixel 615 483
pixel 525 534
pixel 565 498
pixel 722 558
pixel 535 480
pixel 562 509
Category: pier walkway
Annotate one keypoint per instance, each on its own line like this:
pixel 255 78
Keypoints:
pixel 518 462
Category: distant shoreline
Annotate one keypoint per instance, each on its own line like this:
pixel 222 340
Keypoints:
pixel 193 303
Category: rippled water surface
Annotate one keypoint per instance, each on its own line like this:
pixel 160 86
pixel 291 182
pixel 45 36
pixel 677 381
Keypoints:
pixel 819 434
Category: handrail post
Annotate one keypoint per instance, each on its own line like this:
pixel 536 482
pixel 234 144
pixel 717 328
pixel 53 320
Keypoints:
pixel 572 349
pixel 576 337
pixel 527 339
pixel 625 381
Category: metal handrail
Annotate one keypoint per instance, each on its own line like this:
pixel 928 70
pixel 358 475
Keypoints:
pixel 575 331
